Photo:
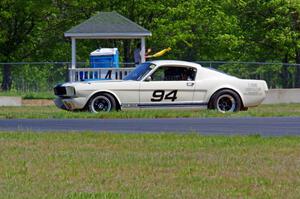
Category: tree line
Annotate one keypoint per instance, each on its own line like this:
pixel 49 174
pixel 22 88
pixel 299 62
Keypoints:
pixel 232 30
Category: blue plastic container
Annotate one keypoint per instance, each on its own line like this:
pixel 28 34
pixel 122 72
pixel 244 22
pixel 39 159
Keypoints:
pixel 105 58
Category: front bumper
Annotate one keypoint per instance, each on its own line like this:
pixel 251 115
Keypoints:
pixel 70 103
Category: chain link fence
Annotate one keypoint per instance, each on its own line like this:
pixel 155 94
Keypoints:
pixel 33 77
pixel 43 76
pixel 277 75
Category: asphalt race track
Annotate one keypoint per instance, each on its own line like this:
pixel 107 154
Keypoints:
pixel 278 126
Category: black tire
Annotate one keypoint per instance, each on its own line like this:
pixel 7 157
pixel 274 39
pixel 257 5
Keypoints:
pixel 225 101
pixel 102 103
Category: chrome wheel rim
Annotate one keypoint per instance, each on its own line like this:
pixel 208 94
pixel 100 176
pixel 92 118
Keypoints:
pixel 101 104
pixel 226 103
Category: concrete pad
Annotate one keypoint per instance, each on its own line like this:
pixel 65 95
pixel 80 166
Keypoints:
pixel 277 96
pixel 10 101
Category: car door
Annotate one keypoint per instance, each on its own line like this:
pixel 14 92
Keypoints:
pixel 168 86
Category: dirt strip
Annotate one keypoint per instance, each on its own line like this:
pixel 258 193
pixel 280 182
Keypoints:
pixel 37 102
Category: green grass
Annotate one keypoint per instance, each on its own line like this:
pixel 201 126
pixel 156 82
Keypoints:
pixel 29 95
pixel 89 165
pixel 277 110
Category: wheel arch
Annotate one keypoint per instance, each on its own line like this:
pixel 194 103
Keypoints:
pixel 116 98
pixel 226 88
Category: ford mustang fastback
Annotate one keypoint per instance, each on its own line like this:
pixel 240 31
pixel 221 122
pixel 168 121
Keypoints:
pixel 163 83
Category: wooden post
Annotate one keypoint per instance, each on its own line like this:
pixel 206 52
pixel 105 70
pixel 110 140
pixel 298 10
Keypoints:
pixel 143 50
pixel 73 66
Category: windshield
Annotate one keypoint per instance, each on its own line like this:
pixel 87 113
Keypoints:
pixel 140 71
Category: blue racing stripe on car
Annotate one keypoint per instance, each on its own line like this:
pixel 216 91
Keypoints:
pixel 172 104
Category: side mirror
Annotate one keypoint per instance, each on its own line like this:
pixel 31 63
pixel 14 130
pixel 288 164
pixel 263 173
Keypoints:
pixel 148 79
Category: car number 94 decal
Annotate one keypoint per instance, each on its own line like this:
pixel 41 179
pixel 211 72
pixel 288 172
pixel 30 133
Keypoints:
pixel 159 95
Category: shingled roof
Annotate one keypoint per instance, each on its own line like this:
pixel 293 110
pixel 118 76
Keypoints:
pixel 109 25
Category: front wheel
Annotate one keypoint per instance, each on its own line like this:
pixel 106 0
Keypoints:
pixel 226 101
pixel 102 103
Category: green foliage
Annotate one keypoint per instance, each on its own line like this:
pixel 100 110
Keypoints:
pixel 195 29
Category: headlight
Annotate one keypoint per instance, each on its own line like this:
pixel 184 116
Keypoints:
pixel 70 91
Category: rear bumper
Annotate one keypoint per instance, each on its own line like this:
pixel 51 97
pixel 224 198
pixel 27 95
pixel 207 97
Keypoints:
pixel 252 101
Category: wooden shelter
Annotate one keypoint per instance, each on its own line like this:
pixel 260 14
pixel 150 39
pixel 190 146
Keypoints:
pixel 107 25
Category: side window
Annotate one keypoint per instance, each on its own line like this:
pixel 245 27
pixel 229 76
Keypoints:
pixel 159 74
pixel 191 74
pixel 174 73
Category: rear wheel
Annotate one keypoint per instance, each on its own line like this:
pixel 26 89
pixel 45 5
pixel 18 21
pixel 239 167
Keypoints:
pixel 226 101
pixel 102 103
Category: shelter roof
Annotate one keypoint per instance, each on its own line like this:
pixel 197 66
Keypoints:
pixel 108 25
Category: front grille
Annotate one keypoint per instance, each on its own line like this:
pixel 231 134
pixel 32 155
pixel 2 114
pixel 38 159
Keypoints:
pixel 60 90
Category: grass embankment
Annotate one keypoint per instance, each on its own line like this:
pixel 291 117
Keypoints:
pixel 277 110
pixel 29 95
pixel 86 165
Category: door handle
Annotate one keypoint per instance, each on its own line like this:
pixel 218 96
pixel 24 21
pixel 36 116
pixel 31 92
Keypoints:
pixel 190 84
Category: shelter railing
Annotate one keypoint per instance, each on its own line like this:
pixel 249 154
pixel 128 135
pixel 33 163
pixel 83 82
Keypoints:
pixel 85 74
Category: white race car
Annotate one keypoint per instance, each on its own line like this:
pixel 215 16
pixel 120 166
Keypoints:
pixel 163 84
